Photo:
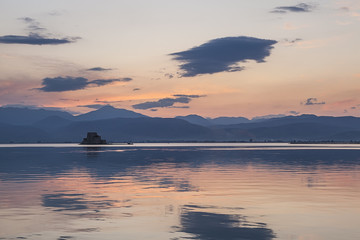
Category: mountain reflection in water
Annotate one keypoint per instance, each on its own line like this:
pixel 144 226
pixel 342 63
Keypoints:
pixel 179 193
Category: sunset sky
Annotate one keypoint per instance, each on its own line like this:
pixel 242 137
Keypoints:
pixel 167 58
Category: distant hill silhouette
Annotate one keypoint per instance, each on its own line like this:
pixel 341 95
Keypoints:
pixel 136 129
pixel 27 116
pixel 303 127
pixel 196 119
pixel 346 122
pixel 52 124
pixel 22 134
pixel 108 112
pixel 296 131
pixel 229 120
pixel 33 125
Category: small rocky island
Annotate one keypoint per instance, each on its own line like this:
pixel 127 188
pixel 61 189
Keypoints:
pixel 93 138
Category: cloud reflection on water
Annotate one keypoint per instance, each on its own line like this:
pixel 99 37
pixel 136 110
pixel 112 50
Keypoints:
pixel 99 190
pixel 213 226
pixel 71 202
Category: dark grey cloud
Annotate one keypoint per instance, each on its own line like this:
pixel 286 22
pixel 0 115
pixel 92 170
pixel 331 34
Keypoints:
pixel 222 55
pixel 312 101
pixel 37 35
pixel 63 84
pixel 162 103
pixel 301 7
pixel 35 39
pixel 136 89
pixel 167 102
pixel 98 69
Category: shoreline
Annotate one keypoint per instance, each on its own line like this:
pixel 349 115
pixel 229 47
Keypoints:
pixel 195 142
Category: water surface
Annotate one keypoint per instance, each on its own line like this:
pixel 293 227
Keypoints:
pixel 180 191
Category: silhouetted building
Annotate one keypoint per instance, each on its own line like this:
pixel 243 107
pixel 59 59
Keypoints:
pixel 93 138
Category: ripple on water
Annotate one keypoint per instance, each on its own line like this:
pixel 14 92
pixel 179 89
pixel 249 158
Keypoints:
pixel 181 192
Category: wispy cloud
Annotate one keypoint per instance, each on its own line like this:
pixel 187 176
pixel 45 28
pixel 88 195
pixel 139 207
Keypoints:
pixel 37 35
pixel 57 12
pixel 98 69
pixel 167 102
pixel 32 24
pixel 294 112
pixel 35 39
pixel 299 8
pixel 63 84
pixel 188 96
pixel 94 106
pixel 107 102
pixel 293 40
pixel 222 55
pixel 349 13
pixel 68 99
pixel 344 9
pixel 312 101
pixel 32 107
pixel 102 82
pixel 179 107
pixel 169 75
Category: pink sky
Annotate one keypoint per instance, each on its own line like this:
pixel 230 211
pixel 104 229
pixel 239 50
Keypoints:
pixel 242 58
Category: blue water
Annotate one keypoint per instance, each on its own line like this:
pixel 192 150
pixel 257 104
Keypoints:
pixel 180 191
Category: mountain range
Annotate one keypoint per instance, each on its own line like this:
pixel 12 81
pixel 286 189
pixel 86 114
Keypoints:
pixel 118 125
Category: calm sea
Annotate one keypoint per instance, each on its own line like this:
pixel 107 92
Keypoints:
pixel 180 191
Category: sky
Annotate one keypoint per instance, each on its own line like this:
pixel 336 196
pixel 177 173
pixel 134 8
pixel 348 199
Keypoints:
pixel 167 58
